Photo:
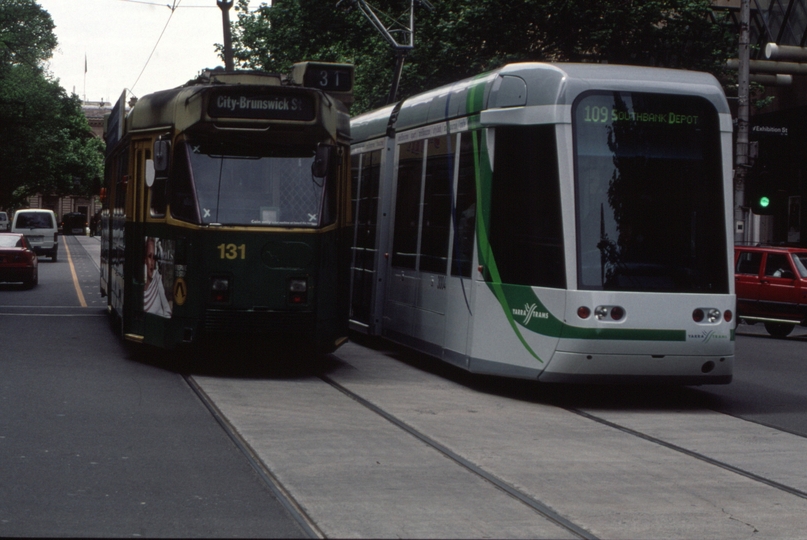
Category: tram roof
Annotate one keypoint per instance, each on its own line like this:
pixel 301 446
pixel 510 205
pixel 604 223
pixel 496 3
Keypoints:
pixel 181 107
pixel 534 84
pixel 164 107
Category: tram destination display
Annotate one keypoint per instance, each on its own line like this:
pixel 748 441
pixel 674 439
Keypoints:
pixel 261 106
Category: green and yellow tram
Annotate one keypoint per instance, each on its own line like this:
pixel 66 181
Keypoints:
pixel 227 210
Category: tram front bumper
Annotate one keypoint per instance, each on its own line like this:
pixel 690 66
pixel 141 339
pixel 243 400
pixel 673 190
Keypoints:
pixel 258 322
pixel 574 367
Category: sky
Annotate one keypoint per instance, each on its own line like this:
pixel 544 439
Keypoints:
pixel 117 38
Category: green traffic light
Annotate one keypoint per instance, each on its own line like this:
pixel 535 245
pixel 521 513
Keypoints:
pixel 764 202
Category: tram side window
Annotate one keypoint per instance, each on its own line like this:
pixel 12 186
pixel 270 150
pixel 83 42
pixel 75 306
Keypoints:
pixel 157 198
pixel 366 176
pixel 437 205
pixel 122 181
pixel 365 204
pixel 407 202
pixel 526 233
pixel 355 169
pixel 465 219
pixel 182 199
pixel 328 197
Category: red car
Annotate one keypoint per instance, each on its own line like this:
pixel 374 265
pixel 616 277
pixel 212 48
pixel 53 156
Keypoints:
pixel 18 262
pixel 771 287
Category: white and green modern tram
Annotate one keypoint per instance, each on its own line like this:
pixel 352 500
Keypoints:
pixel 559 222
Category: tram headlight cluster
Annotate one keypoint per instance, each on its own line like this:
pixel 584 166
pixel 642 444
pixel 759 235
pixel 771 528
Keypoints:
pixel 614 313
pixel 220 289
pixel 711 315
pixel 298 291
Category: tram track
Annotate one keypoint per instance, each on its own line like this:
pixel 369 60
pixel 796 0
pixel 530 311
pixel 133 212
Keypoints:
pixel 697 455
pixel 535 504
pixel 511 490
pixel 418 423
pixel 308 524
pixel 283 496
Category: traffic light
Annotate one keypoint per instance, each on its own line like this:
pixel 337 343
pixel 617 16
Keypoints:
pixel 761 192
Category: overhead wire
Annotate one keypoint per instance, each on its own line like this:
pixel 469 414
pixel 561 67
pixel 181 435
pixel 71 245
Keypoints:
pixel 173 9
pixel 153 3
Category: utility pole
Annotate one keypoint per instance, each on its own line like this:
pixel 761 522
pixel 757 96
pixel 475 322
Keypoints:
pixel 224 6
pixel 741 213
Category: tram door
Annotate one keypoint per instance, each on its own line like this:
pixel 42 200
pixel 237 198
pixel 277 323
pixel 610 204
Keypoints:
pixel 366 169
pixel 420 243
pixel 460 282
pixel 135 252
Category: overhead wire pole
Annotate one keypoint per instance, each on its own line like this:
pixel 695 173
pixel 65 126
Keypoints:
pixel 401 47
pixel 741 213
pixel 224 6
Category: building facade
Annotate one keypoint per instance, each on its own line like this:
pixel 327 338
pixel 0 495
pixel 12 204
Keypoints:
pixel 778 122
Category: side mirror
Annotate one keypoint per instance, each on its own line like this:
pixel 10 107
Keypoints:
pixel 162 149
pixel 322 160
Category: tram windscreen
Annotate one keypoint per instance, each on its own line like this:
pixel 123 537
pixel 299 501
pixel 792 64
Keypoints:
pixel 649 193
pixel 248 184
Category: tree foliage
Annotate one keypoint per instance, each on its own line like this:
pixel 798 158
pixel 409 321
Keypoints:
pixel 460 38
pixel 46 145
pixel 26 33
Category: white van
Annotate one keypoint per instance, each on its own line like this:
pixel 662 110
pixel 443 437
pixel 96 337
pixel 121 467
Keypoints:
pixel 40 228
pixel 4 223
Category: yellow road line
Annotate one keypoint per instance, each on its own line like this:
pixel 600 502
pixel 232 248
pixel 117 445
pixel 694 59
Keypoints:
pixel 75 277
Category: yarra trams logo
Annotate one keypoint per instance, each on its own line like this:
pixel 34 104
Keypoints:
pixel 529 312
pixel 706 336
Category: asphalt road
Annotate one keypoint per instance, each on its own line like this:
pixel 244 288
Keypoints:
pixel 96 441
pixel 770 380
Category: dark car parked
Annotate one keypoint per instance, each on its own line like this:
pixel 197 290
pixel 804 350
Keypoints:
pixel 74 223
pixel 18 262
pixel 771 287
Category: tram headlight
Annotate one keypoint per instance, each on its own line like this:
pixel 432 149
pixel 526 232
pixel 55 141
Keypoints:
pixel 710 315
pixel 614 313
pixel 298 291
pixel 220 289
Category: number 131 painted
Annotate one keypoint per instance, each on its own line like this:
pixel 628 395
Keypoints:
pixel 231 251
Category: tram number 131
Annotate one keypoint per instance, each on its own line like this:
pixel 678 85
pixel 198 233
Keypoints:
pixel 231 251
